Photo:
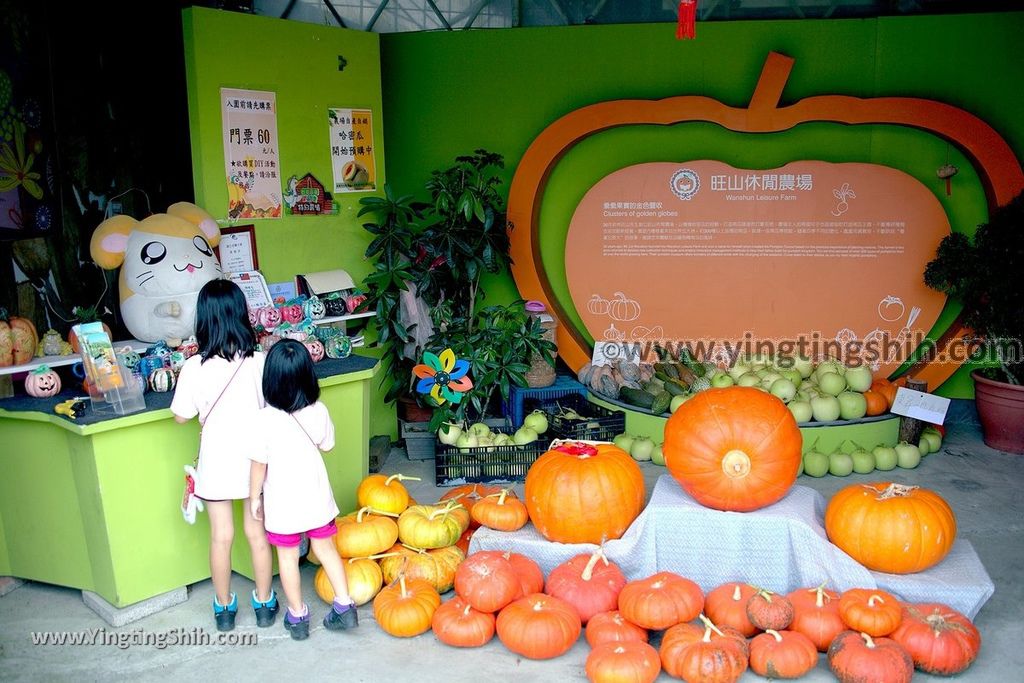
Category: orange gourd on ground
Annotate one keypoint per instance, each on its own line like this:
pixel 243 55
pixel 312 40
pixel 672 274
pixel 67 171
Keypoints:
pixel 782 654
pixel 576 493
pixel 855 657
pixel 635 661
pixel 890 527
pixel 436 566
pixel 529 573
pixel 612 627
pixel 487 581
pixel 589 582
pixel 539 626
pixel 456 623
pixel 384 493
pixel 405 609
pixel 661 600
pixel 940 640
pixel 363 533
pixel 767 610
pixel 736 449
pixel 816 615
pixel 500 511
pixel 871 611
pixel 710 659
pixel 727 606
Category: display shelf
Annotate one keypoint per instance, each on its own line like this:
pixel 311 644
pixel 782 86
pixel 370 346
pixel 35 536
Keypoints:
pixel 70 359
pixel 343 318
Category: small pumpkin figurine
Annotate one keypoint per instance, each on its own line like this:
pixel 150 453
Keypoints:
pixel 292 314
pixel 189 347
pixel 269 317
pixel 161 380
pixel 314 308
pixel 339 346
pixel 129 359
pixel 42 382
pixel 315 348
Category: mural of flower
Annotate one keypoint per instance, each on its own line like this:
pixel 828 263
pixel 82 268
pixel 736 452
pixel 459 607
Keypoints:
pixel 443 377
pixel 16 167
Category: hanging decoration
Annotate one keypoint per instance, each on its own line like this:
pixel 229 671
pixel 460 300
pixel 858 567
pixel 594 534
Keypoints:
pixel 947 172
pixel 686 27
pixel 443 377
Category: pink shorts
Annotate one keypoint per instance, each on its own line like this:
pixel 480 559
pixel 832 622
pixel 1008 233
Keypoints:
pixel 292 540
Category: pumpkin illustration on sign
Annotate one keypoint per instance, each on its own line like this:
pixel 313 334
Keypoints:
pixel 996 162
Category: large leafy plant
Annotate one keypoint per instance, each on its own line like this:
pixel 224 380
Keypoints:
pixel 985 275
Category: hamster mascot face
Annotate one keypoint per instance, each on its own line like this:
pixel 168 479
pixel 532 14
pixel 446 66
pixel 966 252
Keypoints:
pixel 166 259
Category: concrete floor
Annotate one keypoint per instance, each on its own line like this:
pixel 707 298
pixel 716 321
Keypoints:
pixel 982 485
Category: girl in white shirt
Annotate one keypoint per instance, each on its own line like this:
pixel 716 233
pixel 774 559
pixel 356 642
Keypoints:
pixel 290 473
pixel 222 385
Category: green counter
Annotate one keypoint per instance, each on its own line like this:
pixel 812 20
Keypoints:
pixel 98 506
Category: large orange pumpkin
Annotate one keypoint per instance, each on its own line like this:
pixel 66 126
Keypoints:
pixel 361 534
pixel 405 609
pixel 18 340
pixel 576 493
pixel 890 527
pixel 939 639
pixel 384 493
pixel 539 626
pixel 733 449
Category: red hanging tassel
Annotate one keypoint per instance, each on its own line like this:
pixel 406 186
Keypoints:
pixel 686 27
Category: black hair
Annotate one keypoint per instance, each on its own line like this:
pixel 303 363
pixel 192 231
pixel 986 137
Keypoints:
pixel 222 322
pixel 289 383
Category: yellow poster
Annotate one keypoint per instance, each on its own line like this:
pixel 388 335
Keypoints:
pixel 352 150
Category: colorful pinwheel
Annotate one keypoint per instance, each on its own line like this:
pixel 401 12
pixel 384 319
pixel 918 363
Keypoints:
pixel 443 377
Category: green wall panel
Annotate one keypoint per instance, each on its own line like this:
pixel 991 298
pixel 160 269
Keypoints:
pixel 447 93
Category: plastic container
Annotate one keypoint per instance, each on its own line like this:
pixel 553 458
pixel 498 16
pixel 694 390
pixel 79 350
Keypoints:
pixel 454 466
pixel 563 386
pixel 602 424
pixel 541 373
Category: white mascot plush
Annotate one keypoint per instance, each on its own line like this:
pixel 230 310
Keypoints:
pixel 166 259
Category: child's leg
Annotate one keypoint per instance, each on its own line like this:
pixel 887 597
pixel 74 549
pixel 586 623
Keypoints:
pixel 291 583
pixel 327 553
pixel 262 560
pixel 222 533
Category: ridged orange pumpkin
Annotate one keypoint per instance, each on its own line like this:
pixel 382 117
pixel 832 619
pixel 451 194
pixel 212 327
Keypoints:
pixel 456 623
pixel 363 576
pixel 469 495
pixel 887 389
pixel 855 657
pixel 577 493
pixel 890 527
pixel 435 566
pixel 500 511
pixel 677 639
pixel 767 610
pixel 661 600
pixel 710 659
pixel 384 493
pixel 939 639
pixel 539 626
pixel 589 582
pixel 727 606
pixel 816 615
pixel 363 533
pixel 405 609
pixel 633 661
pixel 529 573
pixel 733 449
pixel 612 627
pixel 782 654
pixel 18 340
pixel 433 526
pixel 870 611
pixel 487 581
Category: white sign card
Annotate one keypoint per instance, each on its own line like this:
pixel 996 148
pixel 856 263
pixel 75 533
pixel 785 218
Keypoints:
pixel 606 353
pixel 919 405
pixel 254 287
pixel 236 250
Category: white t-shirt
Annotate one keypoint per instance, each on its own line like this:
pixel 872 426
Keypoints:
pixel 297 494
pixel 228 434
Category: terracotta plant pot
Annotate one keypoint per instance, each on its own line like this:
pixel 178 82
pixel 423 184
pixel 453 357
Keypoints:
pixel 411 411
pixel 1001 411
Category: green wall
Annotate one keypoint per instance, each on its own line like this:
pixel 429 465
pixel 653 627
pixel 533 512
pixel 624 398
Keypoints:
pixel 299 62
pixel 447 93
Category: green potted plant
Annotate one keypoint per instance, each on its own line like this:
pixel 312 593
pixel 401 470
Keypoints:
pixel 985 275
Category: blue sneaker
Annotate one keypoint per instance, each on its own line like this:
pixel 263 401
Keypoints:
pixel 225 614
pixel 298 627
pixel 266 612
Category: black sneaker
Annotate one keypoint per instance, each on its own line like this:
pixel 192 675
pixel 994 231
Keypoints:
pixel 225 615
pixel 299 630
pixel 266 612
pixel 340 621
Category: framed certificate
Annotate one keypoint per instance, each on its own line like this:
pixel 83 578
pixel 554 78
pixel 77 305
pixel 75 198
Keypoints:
pixel 237 249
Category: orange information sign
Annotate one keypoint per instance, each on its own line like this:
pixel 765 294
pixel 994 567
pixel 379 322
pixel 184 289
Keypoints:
pixel 815 257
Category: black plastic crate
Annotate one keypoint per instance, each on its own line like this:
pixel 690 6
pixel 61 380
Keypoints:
pixel 602 424
pixel 454 466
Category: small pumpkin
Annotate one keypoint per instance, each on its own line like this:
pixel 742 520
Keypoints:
pixel 315 348
pixel 588 582
pixel 890 527
pixel 361 533
pixel 469 495
pixel 384 493
pixel 500 512
pixel 433 526
pixel 612 627
pixel 735 449
pixel 487 581
pixel 710 660
pixel 405 609
pixel 456 623
pixel 539 626
pixel 782 654
pixel 531 577
pixel 577 493
pixel 727 606
pixel 436 567
pixel 42 382
pixel 661 600
pixel 855 657
pixel 314 308
pixel 622 308
pixel 767 610
pixel 633 661
pixel 816 615
pixel 940 640
pixel 870 611
pixel 363 576
pixel 876 403
pixel 678 638
pixel 269 317
pixel 161 380
pixel 887 389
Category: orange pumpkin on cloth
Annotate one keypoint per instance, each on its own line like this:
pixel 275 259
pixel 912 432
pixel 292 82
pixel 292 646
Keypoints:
pixel 578 493
pixel 733 449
